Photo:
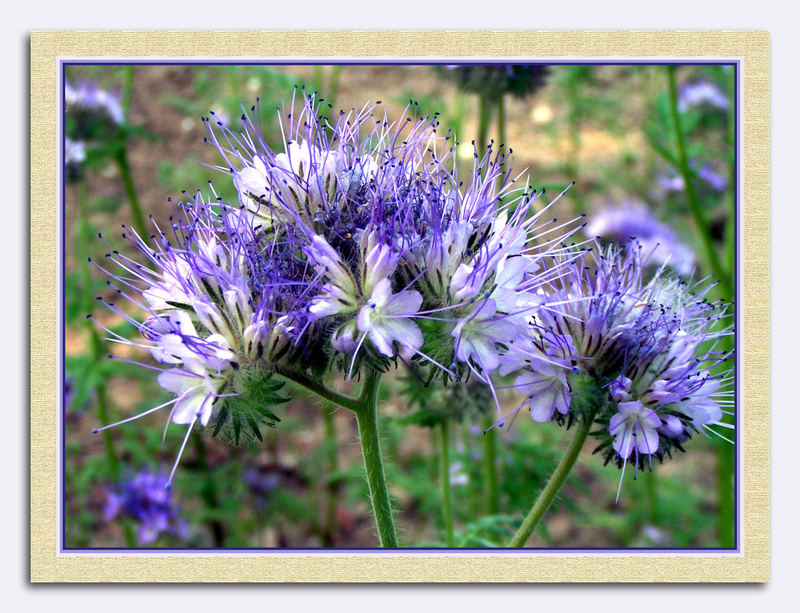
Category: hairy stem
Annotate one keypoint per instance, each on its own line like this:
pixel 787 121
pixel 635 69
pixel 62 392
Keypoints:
pixel 444 465
pixel 553 486
pixel 353 404
pixel 367 417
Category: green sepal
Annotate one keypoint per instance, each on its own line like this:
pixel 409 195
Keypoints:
pixel 240 419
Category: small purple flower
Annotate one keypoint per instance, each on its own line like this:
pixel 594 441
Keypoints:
pixel 701 94
pixel 86 98
pixel 710 181
pixel 387 319
pixel 146 499
pixel 634 428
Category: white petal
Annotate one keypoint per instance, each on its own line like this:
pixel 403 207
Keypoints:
pixel 179 381
pixel 542 406
pixel 405 303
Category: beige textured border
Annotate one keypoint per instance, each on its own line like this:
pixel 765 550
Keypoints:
pixel 48 566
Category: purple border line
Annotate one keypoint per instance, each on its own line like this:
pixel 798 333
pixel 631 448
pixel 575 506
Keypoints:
pixel 64 550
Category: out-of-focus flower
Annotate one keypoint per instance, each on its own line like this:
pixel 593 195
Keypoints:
pixel 699 94
pixel 69 392
pixel 634 220
pixel 709 181
pixel 87 100
pixel 146 499
pixel 494 80
pixel 458 475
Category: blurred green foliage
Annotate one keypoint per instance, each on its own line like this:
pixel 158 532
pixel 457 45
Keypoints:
pixel 272 494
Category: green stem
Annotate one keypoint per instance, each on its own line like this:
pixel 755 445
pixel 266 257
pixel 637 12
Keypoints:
pixel 127 93
pixel 444 466
pixel 730 230
pixel 353 404
pixel 473 497
pixel 97 350
pixel 333 83
pixel 334 480
pixel 726 453
pixel 208 492
pixel 550 490
pixel 130 191
pixel 367 417
pixel 691 194
pixel 574 129
pixel 501 130
pixel 651 485
pixel 317 80
pixel 484 117
pixel 490 469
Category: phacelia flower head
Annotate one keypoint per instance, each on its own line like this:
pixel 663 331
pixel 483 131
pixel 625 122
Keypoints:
pixel 633 222
pixel 643 353
pixel 355 244
pixel 145 499
pixel 393 231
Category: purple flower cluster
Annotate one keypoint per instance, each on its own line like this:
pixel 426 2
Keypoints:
pixel 644 351
pixel 359 243
pixel 355 245
pixel 146 499
pixel 634 220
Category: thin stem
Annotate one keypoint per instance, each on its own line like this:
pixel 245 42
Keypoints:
pixel 333 84
pixel 473 498
pixel 574 115
pixel 484 117
pixel 730 230
pixel 651 485
pixel 353 404
pixel 334 480
pixel 127 92
pixel 726 454
pixel 444 465
pixel 691 194
pixel 130 191
pixel 208 492
pixel 367 417
pixel 501 129
pixel 501 119
pixel 490 468
pixel 550 490
pixel 97 351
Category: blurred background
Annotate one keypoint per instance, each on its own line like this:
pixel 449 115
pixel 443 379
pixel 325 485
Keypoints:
pixel 651 151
